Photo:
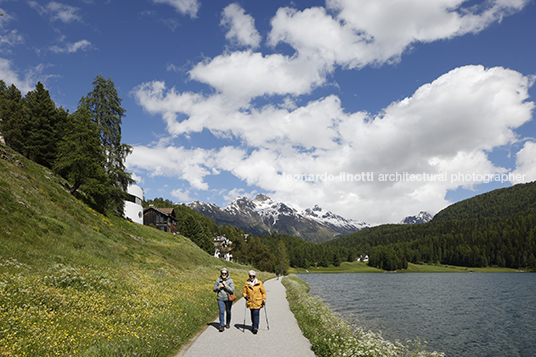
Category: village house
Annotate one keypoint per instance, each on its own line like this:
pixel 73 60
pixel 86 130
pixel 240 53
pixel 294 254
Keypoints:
pixel 223 248
pixel 362 258
pixel 162 218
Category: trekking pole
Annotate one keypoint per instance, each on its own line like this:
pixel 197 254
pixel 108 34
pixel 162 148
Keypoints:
pixel 245 309
pixel 265 314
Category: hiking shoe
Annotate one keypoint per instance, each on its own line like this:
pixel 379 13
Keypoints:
pixel 228 326
pixel 222 328
pixel 255 331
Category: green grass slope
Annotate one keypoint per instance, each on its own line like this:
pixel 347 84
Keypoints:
pixel 75 282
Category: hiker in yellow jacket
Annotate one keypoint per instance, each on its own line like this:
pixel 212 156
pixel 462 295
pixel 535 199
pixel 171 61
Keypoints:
pixel 255 294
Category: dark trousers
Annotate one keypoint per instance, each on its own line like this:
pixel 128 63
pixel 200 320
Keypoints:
pixel 255 317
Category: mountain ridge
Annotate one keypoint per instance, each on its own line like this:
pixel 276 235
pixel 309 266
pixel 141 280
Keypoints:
pixel 262 215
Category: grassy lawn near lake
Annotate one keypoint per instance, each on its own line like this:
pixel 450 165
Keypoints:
pixel 360 267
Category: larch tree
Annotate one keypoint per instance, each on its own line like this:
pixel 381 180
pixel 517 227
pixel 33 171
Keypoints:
pixel 105 108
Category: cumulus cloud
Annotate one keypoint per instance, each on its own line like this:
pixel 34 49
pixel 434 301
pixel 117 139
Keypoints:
pixel 439 130
pixel 526 162
pixel 245 74
pixel 356 33
pixel 241 27
pixel 317 152
pixel 185 7
pixel 352 34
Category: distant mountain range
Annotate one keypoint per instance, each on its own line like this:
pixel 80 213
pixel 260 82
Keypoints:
pixel 422 217
pixel 262 216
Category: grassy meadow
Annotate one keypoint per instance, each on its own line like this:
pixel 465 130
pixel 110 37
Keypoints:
pixel 75 282
pixel 361 267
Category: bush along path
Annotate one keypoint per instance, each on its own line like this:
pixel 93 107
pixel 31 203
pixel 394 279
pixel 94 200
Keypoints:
pixel 283 338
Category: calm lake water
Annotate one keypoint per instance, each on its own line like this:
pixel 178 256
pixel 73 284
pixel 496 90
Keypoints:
pixel 472 314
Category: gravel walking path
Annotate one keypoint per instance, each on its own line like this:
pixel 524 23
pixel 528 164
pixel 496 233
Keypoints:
pixel 283 338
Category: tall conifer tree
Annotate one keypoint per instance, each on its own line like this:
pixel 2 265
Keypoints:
pixel 41 131
pixel 13 118
pixel 81 158
pixel 104 105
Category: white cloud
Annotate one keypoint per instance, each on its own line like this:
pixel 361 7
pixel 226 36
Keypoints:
pixel 246 74
pixel 362 32
pixel 357 34
pixel 181 195
pixel 10 76
pixel 241 26
pixel 526 162
pixel 185 7
pixel 82 45
pixel 446 127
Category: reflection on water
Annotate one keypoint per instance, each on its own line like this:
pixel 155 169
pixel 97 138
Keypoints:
pixel 477 315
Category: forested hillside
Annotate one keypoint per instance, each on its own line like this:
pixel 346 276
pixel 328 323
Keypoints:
pixel 488 235
pixel 504 202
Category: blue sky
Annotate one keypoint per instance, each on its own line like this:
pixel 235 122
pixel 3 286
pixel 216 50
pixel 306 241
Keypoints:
pixel 419 103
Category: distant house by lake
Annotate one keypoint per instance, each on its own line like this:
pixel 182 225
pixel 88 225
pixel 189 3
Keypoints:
pixel 362 258
pixel 162 218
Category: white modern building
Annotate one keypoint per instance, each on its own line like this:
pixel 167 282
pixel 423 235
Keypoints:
pixel 133 205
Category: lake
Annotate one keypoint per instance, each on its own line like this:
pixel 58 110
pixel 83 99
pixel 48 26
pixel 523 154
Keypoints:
pixel 466 314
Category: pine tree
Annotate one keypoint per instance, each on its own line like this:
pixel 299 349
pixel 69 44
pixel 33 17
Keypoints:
pixel 80 157
pixel 41 133
pixel 105 107
pixel 14 120
pixel 193 230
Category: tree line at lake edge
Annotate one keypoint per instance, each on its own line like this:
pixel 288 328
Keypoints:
pixel 493 229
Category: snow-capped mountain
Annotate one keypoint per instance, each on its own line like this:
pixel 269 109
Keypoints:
pixel 422 217
pixel 262 216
